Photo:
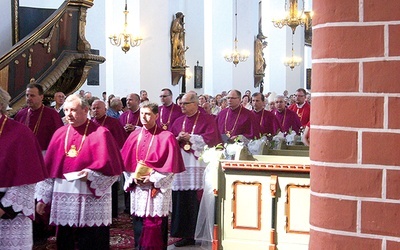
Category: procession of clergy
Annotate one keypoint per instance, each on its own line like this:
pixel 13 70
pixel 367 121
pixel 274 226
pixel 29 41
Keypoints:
pixel 60 166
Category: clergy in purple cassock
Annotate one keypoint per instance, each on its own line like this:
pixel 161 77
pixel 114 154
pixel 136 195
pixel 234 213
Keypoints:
pixel 168 111
pixel 130 119
pixel 236 120
pixel 112 124
pixel 117 130
pixel 81 205
pixel 302 108
pixel 42 120
pixel 155 154
pixel 21 167
pixel 193 131
pixel 269 125
pixel 287 118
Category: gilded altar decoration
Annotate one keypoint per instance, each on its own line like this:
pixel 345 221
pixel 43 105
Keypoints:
pixel 178 41
pixel 178 48
pixel 259 60
pixel 46 41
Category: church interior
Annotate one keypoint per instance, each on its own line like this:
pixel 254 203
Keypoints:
pixel 340 192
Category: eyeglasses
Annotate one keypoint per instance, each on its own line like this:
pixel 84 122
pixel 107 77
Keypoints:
pixel 186 103
pixel 163 96
pixel 299 95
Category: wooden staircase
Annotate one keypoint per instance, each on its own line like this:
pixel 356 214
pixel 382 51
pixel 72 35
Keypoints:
pixel 55 55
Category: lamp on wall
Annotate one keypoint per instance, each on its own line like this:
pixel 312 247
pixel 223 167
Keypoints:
pixel 126 38
pixel 188 73
pixel 292 61
pixel 294 17
pixel 235 56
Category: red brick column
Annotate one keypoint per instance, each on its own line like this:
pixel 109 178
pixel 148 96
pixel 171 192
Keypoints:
pixel 355 131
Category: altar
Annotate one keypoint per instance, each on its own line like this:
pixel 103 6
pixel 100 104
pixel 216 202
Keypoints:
pixel 264 204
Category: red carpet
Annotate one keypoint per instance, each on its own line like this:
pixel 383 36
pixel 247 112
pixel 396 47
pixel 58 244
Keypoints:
pixel 121 235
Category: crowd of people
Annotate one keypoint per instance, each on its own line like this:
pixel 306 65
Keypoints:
pixel 68 161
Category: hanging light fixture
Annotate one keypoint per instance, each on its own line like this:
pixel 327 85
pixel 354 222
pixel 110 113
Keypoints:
pixel 292 61
pixel 235 56
pixel 126 38
pixel 293 17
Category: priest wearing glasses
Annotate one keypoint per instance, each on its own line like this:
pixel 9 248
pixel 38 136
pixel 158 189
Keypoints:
pixel 193 131
pixel 301 107
pixel 83 161
pixel 169 111
pixel 151 156
pixel 236 120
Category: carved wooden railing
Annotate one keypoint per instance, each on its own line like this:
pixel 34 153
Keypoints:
pixel 55 55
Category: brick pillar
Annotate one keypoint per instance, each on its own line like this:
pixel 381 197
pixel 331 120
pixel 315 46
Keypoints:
pixel 355 147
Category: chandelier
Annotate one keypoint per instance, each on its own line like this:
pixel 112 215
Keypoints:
pixel 293 17
pixel 292 61
pixel 235 56
pixel 127 39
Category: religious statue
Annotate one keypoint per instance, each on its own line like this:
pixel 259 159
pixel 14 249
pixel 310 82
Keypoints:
pixel 259 55
pixel 178 41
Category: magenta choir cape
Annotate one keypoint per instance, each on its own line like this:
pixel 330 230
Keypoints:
pixel 49 122
pixel 164 155
pixel 288 119
pixel 98 152
pixel 204 125
pixel 168 114
pixel 269 124
pixel 21 160
pixel 239 121
pixel 115 127
pixel 130 117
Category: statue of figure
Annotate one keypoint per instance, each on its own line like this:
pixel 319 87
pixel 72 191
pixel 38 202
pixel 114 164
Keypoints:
pixel 259 55
pixel 178 41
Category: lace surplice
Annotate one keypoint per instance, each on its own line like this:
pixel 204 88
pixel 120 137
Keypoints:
pixel 18 229
pixel 192 177
pixel 78 203
pixel 142 204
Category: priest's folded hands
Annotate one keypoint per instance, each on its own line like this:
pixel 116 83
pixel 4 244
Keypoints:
pixel 143 181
